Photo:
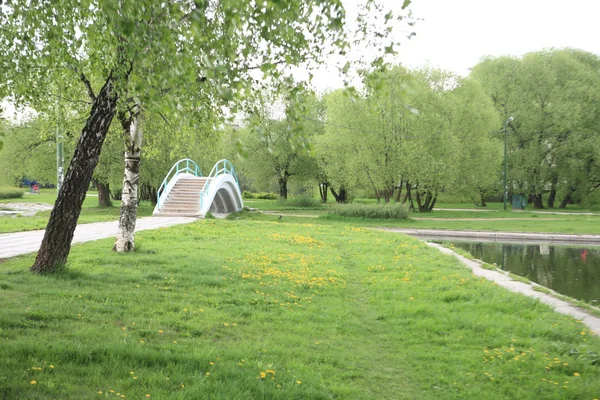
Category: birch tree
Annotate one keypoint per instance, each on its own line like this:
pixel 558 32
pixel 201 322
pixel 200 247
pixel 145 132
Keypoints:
pixel 157 52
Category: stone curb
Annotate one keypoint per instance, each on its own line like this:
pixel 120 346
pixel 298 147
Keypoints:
pixel 518 237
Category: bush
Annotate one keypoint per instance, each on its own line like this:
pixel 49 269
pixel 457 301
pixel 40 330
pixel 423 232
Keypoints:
pixel 262 195
pixel 301 201
pixel 380 211
pixel 11 193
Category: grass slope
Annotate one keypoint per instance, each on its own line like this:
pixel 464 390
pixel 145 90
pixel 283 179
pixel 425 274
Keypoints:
pixel 259 309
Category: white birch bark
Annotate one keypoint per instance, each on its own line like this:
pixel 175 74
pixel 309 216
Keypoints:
pixel 129 200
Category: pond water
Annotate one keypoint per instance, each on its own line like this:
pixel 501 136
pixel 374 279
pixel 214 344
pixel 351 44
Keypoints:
pixel 572 271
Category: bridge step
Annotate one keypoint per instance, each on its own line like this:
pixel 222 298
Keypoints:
pixel 176 214
pixel 184 198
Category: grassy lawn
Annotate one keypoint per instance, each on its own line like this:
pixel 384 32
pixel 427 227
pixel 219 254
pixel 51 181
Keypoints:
pixel 577 224
pixel 494 220
pixel 89 213
pixel 248 309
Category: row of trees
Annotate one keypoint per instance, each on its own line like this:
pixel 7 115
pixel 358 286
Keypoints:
pixel 406 137
pixel 410 135
pixel 553 141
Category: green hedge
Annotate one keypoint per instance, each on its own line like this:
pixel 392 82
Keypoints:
pixel 379 211
pixel 11 193
pixel 261 195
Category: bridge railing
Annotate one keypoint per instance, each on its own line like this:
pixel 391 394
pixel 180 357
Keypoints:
pixel 221 167
pixel 185 165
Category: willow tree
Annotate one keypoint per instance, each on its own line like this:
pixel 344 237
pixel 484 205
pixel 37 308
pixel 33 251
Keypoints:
pixel 553 96
pixel 148 53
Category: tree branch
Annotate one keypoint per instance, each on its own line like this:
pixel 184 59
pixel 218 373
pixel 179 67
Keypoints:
pixel 88 86
pixel 70 100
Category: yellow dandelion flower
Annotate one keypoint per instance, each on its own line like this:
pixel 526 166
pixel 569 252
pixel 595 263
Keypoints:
pixel 207 374
pixel 262 375
pixel 175 341
pixel 51 366
pixel 582 333
pixel 576 374
pixel 298 382
pixel 33 382
pixel 185 310
pixel 99 391
pixel 270 371
pixel 160 331
pixel 411 298
pixel 182 386
pixel 147 395
pixel 111 391
pixel 135 377
pixel 226 324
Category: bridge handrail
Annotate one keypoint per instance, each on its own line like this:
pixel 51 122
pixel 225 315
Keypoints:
pixel 190 167
pixel 227 168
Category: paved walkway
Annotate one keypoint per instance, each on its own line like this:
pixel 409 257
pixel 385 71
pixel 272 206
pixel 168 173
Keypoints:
pixel 563 307
pixel 14 244
pixel 518 237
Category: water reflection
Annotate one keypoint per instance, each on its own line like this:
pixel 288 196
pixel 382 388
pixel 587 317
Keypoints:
pixel 572 271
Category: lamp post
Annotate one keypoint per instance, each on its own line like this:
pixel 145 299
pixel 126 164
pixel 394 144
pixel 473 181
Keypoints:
pixel 508 121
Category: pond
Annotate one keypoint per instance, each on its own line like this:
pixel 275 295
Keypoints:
pixel 572 271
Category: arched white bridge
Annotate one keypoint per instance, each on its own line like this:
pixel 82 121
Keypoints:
pixel 185 192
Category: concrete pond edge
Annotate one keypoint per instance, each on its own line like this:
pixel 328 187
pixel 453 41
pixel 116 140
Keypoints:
pixel 505 281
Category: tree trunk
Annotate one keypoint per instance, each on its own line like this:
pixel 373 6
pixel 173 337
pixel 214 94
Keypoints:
pixel 148 193
pixel 566 200
pixel 551 198
pixel 482 199
pixel 399 192
pixel 341 197
pixel 419 201
pixel 56 244
pixel 323 189
pixel 432 203
pixel 283 191
pixel 537 201
pixel 388 195
pixel 408 197
pixel 552 195
pixel 131 179
pixel 103 194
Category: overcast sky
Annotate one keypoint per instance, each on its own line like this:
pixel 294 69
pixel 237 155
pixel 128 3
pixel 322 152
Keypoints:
pixel 456 34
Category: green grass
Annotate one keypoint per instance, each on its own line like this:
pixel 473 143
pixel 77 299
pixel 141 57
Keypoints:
pixel 47 196
pixel 494 220
pixel 89 213
pixel 247 309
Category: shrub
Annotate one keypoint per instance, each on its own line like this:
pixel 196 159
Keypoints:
pixel 301 201
pixel 262 195
pixel 385 211
pixel 11 193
